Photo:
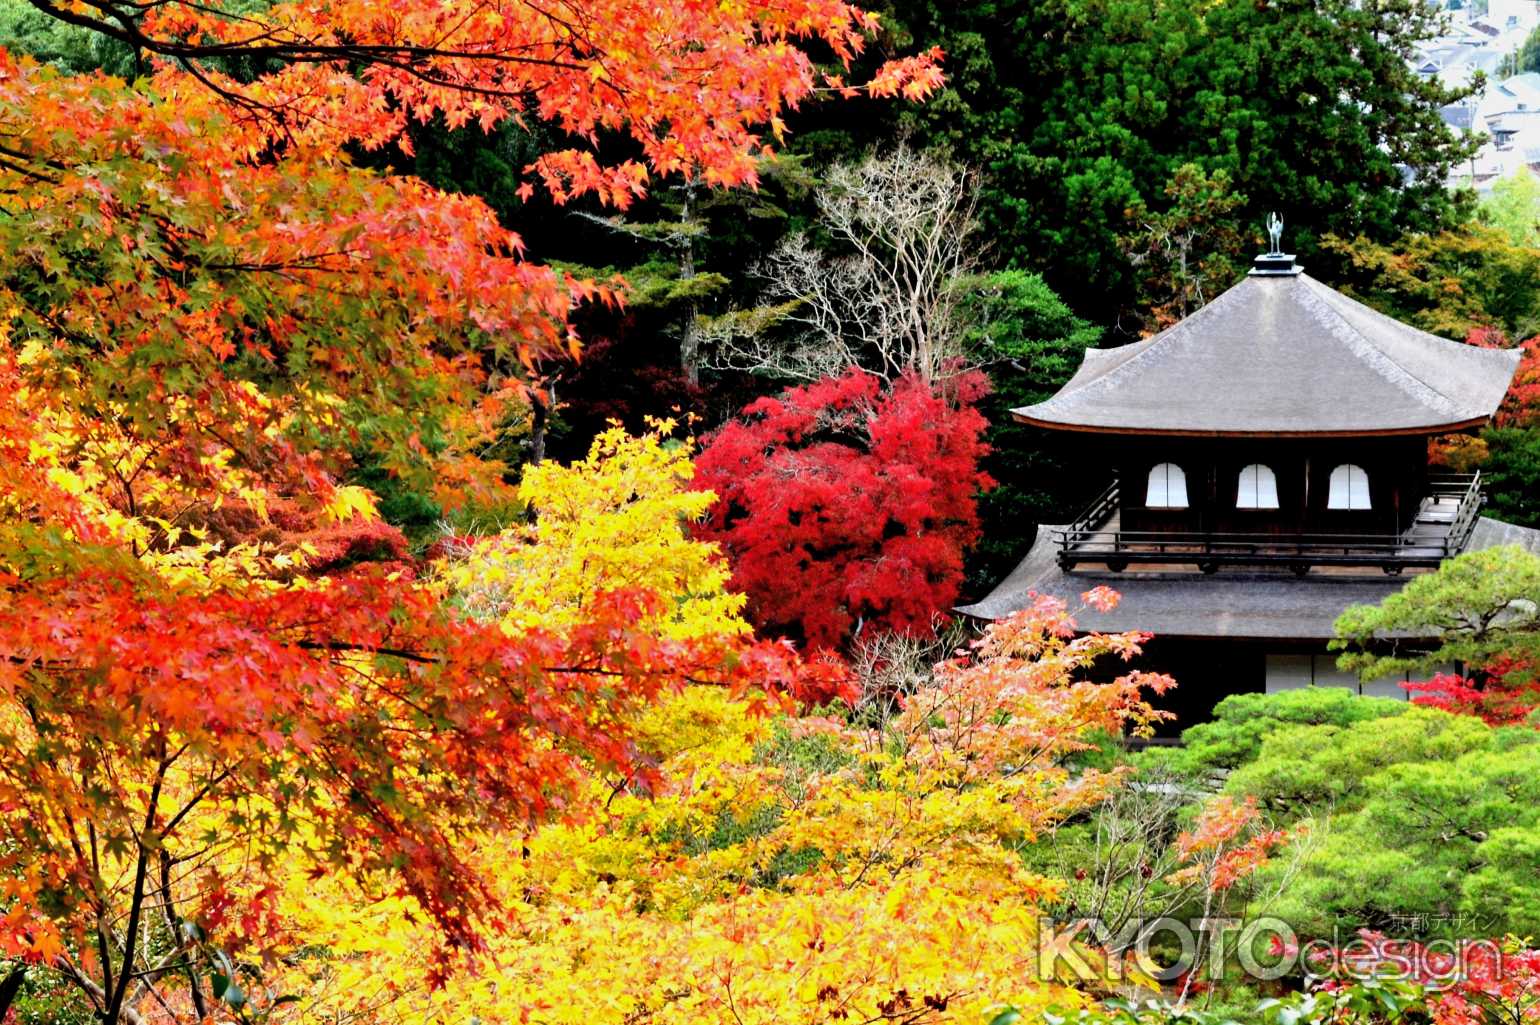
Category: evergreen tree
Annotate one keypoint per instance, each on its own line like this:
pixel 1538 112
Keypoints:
pixel 1080 112
pixel 1035 343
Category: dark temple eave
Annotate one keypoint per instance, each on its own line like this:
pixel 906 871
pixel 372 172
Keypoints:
pixel 1474 423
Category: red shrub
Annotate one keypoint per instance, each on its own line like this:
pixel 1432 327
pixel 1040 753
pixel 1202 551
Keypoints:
pixel 846 507
pixel 1504 694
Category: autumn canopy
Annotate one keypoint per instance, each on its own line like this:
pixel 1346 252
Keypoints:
pixel 215 658
pixel 368 655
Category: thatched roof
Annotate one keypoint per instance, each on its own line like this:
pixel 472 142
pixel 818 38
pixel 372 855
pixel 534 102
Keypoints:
pixel 1282 354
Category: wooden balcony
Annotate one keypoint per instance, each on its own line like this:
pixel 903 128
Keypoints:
pixel 1445 519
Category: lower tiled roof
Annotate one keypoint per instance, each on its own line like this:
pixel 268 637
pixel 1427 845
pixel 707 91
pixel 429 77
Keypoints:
pixel 1258 604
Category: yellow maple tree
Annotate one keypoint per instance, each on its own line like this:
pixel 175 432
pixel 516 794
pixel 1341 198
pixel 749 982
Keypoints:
pixel 793 869
pixel 616 520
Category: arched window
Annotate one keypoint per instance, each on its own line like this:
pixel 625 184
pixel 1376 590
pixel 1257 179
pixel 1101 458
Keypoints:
pixel 1258 488
pixel 1349 488
pixel 1168 488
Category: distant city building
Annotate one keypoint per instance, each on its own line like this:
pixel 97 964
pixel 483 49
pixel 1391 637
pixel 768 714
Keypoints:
pixel 1507 110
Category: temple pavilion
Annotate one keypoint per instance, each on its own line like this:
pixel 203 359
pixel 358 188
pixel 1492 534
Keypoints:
pixel 1269 467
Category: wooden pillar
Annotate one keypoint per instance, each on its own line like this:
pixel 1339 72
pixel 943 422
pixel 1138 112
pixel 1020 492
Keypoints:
pixel 1304 512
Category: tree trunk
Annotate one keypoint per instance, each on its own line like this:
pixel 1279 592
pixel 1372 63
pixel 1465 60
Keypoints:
pixel 689 342
pixel 689 348
pixel 540 421
pixel 9 987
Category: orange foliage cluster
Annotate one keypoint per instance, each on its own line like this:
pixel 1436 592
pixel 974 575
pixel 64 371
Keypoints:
pixel 694 85
pixel 214 657
pixel 1224 846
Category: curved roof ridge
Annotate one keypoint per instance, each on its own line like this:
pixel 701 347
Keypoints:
pixel 1097 363
pixel 1178 331
pixel 1372 355
pixel 1361 308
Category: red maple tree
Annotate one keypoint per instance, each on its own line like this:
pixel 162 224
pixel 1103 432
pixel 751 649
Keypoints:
pixel 1505 693
pixel 845 507
pixel 1521 406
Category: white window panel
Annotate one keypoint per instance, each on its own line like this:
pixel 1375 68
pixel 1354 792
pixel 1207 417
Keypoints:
pixel 1349 488
pixel 1258 488
pixel 1287 672
pixel 1328 675
pixel 1167 488
pixel 1385 687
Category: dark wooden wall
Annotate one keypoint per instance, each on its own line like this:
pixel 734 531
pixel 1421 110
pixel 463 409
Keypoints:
pixel 1397 469
pixel 1206 670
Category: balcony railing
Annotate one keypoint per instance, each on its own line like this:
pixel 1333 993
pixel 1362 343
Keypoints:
pixel 1443 526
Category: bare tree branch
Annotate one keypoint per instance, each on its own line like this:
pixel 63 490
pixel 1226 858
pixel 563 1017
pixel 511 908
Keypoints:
pixel 891 303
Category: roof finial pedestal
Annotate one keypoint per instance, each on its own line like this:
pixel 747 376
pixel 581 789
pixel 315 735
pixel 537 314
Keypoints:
pixel 1275 262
